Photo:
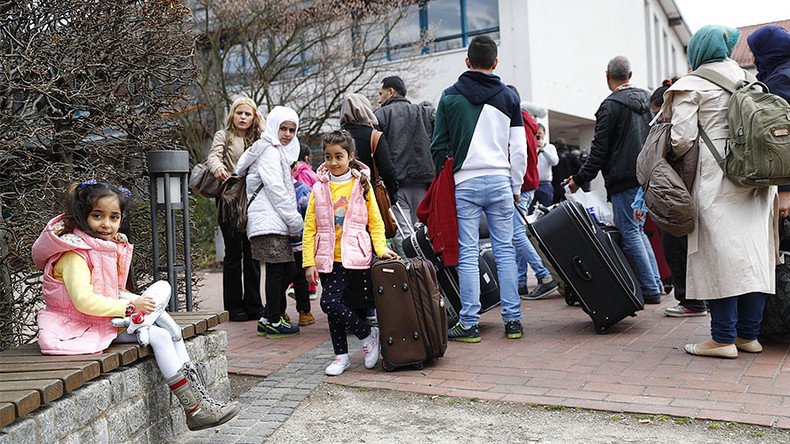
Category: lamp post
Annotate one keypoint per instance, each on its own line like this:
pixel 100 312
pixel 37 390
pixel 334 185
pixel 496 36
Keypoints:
pixel 169 171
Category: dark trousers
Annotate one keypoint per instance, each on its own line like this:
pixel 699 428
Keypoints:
pixel 340 317
pixel 676 255
pixel 240 296
pixel 301 288
pixel 739 316
pixel 278 276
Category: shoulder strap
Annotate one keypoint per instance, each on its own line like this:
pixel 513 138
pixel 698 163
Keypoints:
pixel 708 143
pixel 715 78
pixel 254 195
pixel 375 135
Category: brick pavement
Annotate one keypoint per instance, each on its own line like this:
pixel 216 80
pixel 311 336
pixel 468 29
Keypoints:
pixel 639 367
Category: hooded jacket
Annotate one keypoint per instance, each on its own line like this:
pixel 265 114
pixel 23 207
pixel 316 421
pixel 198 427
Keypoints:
pixel 479 125
pixel 266 162
pixel 621 127
pixel 62 329
pixel 771 48
pixel 408 129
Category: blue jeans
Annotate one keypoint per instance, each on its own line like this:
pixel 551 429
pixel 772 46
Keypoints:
pixel 525 251
pixel 490 195
pixel 739 316
pixel 636 245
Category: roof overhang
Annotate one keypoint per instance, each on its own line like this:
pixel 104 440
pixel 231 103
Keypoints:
pixel 676 22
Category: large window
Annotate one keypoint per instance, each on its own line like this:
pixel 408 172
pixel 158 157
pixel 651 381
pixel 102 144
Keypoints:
pixel 447 24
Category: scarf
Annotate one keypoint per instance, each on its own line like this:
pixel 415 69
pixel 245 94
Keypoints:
pixel 357 109
pixel 711 43
pixel 276 117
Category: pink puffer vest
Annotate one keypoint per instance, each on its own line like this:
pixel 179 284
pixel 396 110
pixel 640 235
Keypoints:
pixel 62 329
pixel 356 248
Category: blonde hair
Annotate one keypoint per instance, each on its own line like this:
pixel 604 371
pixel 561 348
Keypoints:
pixel 254 131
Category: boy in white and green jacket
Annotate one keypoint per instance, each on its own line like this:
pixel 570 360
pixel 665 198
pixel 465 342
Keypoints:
pixel 479 125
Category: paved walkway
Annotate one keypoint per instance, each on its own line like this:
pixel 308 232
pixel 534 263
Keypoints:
pixel 638 367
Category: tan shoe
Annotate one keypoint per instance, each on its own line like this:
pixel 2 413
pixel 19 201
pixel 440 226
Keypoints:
pixel 748 346
pixel 306 318
pixel 712 349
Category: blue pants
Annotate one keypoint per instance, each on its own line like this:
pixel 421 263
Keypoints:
pixel 525 251
pixel 739 316
pixel 636 245
pixel 493 196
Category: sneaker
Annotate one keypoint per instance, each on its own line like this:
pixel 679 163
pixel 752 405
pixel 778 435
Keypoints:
pixel 460 333
pixel 513 329
pixel 523 290
pixel 653 299
pixel 542 290
pixel 372 348
pixel 680 311
pixel 313 296
pixel 338 366
pixel 281 330
pixel 239 317
pixel 262 327
pixel 290 292
pixel 306 318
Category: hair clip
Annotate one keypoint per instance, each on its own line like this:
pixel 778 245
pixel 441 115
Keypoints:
pixel 125 192
pixel 88 182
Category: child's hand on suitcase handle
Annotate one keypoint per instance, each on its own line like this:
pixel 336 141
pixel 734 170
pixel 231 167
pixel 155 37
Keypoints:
pixel 389 254
pixel 311 274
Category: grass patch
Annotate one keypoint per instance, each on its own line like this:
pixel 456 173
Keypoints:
pixel 682 421
pixel 204 219
pixel 555 408
pixel 615 418
pixel 714 425
pixel 364 389
pixel 758 433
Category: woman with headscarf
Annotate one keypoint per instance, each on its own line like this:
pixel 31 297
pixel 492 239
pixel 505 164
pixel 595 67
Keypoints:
pixel 272 215
pixel 356 117
pixel 732 250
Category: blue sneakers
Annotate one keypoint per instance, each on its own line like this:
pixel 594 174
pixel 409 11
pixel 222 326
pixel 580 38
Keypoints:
pixel 282 329
pixel 513 329
pixel 459 333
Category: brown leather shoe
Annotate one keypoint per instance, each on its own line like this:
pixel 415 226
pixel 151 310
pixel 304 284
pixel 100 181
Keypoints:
pixel 705 349
pixel 748 346
pixel 306 318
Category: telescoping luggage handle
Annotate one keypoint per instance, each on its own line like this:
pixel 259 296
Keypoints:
pixel 404 218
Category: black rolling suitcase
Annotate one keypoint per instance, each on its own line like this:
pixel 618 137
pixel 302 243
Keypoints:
pixel 591 265
pixel 417 243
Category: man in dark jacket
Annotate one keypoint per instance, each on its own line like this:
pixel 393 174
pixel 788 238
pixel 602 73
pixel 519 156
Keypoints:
pixel 621 127
pixel 771 48
pixel 408 129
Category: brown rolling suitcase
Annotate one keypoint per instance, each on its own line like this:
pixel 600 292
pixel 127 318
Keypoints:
pixel 411 313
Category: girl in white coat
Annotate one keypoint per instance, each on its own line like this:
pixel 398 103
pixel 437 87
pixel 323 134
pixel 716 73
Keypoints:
pixel 272 216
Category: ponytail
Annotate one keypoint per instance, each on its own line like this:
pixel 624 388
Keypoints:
pixel 363 178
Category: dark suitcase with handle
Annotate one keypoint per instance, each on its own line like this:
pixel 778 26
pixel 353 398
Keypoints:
pixel 590 263
pixel 411 314
pixel 417 243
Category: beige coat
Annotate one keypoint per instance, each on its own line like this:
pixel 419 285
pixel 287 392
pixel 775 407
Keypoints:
pixel 732 248
pixel 215 160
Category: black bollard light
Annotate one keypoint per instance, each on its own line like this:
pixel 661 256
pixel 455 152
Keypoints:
pixel 169 171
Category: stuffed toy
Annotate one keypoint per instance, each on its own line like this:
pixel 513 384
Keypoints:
pixel 138 323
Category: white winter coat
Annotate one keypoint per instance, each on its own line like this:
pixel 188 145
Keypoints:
pixel 732 249
pixel 273 211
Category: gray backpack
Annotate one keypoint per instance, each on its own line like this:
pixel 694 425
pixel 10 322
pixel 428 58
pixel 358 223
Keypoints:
pixel 758 149
pixel 666 178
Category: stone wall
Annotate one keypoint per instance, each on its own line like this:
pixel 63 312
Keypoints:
pixel 130 404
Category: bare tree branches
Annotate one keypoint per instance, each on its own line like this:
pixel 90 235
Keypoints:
pixel 84 88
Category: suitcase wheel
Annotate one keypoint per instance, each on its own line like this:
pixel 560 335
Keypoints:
pixel 601 330
pixel 419 366
pixel 387 366
pixel 570 298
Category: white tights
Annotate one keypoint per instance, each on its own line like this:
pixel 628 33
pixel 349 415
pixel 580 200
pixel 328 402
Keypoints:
pixel 170 356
